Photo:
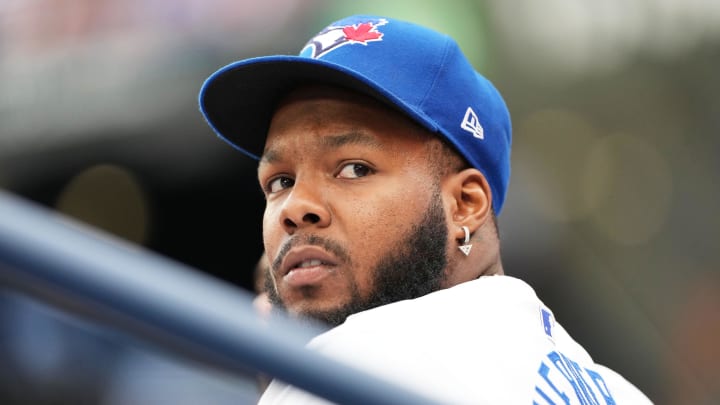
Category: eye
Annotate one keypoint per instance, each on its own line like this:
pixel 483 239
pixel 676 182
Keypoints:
pixel 279 184
pixel 354 170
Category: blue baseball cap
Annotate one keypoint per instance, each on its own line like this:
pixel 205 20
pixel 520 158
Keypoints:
pixel 418 71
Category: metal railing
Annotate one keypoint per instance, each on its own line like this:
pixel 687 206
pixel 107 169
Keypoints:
pixel 90 273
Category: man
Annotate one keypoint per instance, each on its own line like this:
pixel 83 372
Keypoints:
pixel 385 158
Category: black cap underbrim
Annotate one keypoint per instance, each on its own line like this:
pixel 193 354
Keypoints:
pixel 238 100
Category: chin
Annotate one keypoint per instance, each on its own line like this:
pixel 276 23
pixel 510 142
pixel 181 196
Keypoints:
pixel 309 307
pixel 328 313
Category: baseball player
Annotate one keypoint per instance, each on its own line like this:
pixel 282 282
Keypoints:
pixel 385 159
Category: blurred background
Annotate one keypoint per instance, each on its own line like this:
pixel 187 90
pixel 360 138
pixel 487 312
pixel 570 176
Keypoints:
pixel 612 213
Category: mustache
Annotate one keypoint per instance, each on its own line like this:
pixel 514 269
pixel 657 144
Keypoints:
pixel 313 240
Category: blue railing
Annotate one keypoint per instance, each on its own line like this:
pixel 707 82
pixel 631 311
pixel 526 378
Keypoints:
pixel 90 273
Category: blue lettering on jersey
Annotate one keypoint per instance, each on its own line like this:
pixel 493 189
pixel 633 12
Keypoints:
pixel 563 381
pixel 547 321
pixel 544 373
pixel 602 388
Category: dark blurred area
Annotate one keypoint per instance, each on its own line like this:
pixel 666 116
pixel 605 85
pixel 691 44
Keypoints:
pixel 611 214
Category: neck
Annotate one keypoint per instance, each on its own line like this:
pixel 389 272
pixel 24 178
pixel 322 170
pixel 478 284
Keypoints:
pixel 495 268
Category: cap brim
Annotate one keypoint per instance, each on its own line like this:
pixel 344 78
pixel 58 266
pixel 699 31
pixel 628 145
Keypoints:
pixel 238 100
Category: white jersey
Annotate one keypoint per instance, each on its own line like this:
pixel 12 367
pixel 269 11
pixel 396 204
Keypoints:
pixel 488 341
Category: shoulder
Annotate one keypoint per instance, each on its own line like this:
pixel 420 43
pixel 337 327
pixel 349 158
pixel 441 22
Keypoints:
pixel 480 297
pixel 498 305
pixel 447 342
pixel 490 339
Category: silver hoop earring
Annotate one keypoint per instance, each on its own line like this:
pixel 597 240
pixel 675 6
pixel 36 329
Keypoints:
pixel 466 246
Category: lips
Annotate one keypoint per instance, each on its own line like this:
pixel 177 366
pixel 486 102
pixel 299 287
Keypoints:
pixel 306 265
pixel 305 257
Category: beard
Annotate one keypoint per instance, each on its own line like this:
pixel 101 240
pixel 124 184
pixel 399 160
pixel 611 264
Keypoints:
pixel 414 267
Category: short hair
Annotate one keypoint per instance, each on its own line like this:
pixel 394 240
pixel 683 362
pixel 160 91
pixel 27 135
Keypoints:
pixel 444 160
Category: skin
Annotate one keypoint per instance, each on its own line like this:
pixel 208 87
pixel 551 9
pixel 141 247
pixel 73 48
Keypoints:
pixel 261 302
pixel 359 212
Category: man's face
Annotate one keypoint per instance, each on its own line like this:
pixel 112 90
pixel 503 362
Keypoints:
pixel 354 216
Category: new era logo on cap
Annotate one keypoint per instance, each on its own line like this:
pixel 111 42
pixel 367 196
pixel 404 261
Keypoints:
pixel 471 123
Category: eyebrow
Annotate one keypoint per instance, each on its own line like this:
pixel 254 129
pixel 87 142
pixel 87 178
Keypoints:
pixel 330 142
pixel 357 138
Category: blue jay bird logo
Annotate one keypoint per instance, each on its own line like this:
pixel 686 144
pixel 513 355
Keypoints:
pixel 336 36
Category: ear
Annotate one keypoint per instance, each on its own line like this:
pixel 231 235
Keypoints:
pixel 472 200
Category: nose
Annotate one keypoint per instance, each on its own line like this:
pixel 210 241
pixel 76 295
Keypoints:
pixel 304 207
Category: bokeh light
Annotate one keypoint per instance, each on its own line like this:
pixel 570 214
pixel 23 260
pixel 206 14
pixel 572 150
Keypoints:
pixel 631 184
pixel 551 149
pixel 108 197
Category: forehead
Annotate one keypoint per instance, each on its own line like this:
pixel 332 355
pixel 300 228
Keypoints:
pixel 318 110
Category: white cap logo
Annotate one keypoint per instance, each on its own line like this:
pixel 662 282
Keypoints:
pixel 471 123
